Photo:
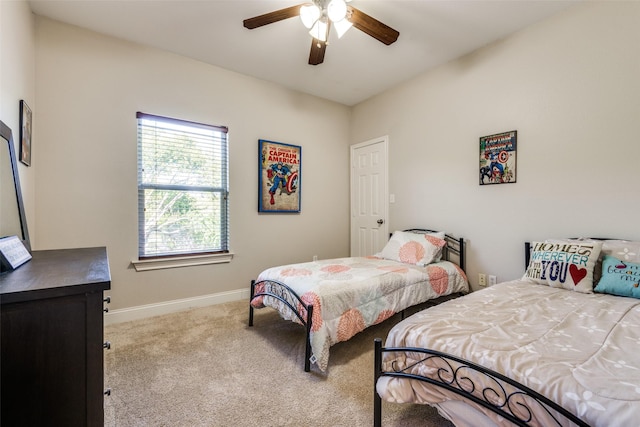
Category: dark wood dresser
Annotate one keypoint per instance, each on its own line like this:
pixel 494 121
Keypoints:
pixel 51 337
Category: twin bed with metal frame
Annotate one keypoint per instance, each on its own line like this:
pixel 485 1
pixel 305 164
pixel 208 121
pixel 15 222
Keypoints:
pixel 558 347
pixel 335 299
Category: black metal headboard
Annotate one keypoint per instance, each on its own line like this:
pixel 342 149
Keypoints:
pixel 527 254
pixel 454 246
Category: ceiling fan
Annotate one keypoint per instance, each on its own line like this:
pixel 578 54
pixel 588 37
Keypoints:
pixel 319 16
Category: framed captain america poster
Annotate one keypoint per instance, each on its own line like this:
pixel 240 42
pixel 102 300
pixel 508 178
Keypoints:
pixel 279 168
pixel 498 158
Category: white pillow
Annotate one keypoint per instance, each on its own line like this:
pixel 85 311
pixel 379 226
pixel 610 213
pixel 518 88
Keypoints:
pixel 565 264
pixel 414 248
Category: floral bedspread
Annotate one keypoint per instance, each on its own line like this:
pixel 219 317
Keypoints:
pixel 580 350
pixel 351 294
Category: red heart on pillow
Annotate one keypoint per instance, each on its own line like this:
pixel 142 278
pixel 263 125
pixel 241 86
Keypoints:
pixel 577 274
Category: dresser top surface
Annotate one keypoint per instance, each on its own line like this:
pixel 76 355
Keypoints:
pixel 57 272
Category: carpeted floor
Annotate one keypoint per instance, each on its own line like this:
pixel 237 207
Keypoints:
pixel 206 367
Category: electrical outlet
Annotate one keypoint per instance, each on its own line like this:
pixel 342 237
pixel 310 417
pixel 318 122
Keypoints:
pixel 315 257
pixel 492 280
pixel 482 279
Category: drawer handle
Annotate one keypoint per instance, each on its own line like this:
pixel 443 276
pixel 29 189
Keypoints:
pixel 107 345
pixel 107 392
pixel 107 300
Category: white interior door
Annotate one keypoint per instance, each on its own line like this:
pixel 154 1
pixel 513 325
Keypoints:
pixel 369 196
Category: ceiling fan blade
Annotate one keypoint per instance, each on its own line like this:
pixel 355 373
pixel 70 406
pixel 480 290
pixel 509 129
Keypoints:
pixel 372 26
pixel 316 56
pixel 271 17
pixel 318 47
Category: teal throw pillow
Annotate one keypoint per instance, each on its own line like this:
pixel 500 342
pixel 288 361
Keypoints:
pixel 619 278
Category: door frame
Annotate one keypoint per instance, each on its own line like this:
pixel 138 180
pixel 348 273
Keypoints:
pixel 385 145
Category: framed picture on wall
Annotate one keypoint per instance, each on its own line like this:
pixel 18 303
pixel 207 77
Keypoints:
pixel 498 158
pixel 25 133
pixel 279 169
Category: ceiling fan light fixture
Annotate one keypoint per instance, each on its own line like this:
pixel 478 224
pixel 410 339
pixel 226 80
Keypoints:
pixel 336 10
pixel 309 14
pixel 342 27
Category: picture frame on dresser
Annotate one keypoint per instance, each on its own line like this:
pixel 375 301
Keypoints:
pixel 12 253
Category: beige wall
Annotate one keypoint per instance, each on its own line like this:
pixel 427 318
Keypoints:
pixel 89 88
pixel 17 74
pixel 570 87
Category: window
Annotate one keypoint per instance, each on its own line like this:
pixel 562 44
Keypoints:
pixel 183 188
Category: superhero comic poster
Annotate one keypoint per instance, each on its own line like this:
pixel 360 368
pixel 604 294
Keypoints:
pixel 498 158
pixel 279 176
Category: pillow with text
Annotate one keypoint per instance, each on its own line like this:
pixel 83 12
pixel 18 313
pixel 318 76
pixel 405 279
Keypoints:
pixel 567 265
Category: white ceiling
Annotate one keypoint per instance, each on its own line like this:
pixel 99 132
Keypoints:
pixel 355 67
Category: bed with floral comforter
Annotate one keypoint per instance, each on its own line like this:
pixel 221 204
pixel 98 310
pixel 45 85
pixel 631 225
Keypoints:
pixel 346 295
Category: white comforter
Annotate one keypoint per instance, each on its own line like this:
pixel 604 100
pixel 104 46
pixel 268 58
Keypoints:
pixel 351 294
pixel 580 350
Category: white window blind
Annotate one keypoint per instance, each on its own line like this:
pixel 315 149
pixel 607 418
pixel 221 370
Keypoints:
pixel 182 187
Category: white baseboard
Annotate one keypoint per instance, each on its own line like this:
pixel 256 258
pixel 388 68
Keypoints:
pixel 150 310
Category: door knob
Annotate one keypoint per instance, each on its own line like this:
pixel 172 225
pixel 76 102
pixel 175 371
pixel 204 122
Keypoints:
pixel 380 221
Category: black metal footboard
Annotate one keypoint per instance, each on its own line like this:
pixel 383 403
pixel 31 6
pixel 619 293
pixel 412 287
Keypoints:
pixel 484 387
pixel 283 293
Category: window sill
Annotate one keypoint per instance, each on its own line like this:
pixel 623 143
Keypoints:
pixel 187 261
